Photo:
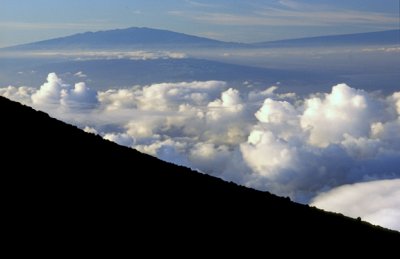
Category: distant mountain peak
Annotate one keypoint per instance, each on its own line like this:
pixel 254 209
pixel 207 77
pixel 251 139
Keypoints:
pixel 123 38
pixel 366 38
pixel 144 37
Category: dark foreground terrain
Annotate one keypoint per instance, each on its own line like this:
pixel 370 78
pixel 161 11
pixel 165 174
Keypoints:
pixel 64 188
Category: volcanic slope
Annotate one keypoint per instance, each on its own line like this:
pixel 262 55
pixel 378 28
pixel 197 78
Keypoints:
pixel 60 182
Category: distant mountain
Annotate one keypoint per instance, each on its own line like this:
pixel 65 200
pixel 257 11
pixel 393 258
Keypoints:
pixel 124 39
pixel 103 74
pixel 370 38
pixel 63 187
pixel 133 38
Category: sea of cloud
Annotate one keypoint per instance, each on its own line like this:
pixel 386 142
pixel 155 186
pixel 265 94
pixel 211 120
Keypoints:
pixel 377 202
pixel 290 145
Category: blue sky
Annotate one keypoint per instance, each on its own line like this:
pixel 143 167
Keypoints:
pixel 24 21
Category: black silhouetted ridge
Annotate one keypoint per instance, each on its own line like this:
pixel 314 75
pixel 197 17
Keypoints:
pixel 62 181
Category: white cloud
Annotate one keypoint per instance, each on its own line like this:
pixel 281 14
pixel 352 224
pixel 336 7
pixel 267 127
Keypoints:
pixel 56 93
pixel 90 130
pixel 283 143
pixel 168 150
pixel 22 94
pixel 383 49
pixel 344 111
pixel 119 138
pixel 50 92
pixel 209 157
pixel 323 141
pixel 80 74
pixel 230 102
pixel 169 96
pixel 95 55
pixel 80 96
pixel 267 155
pixel 377 202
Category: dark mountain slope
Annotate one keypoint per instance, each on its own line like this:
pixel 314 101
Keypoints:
pixel 63 184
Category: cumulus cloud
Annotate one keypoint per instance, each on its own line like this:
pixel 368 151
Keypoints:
pixel 50 92
pixel 346 136
pixel 377 202
pixel 348 109
pixel 54 94
pixel 289 145
pixel 22 94
pixel 79 96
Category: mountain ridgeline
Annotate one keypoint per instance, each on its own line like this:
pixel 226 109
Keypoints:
pixel 130 38
pixel 125 39
pixel 390 37
pixel 72 184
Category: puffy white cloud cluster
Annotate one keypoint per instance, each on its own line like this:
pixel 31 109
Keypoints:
pixel 54 94
pixel 377 202
pixel 22 94
pixel 289 145
pixel 301 148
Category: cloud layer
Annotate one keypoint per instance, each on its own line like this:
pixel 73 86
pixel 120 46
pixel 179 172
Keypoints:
pixel 289 145
pixel 377 202
pixel 98 55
